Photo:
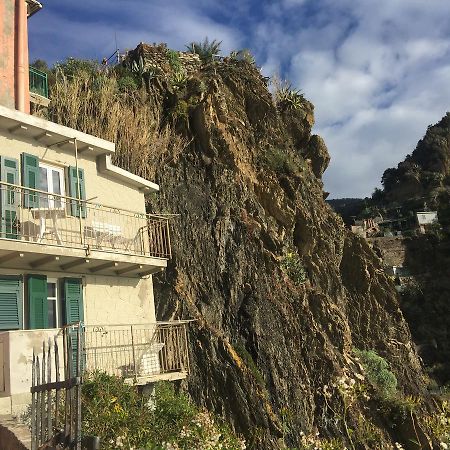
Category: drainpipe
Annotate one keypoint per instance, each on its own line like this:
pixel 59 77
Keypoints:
pixel 21 58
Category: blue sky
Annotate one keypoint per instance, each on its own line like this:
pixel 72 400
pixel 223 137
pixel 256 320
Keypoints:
pixel 378 71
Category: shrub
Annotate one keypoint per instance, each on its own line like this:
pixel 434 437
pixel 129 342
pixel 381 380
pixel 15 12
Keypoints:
pixel 179 80
pixel 378 373
pixel 127 83
pixel 205 50
pixel 292 265
pixel 279 161
pixel 439 424
pixel 72 67
pixel 285 96
pixel 174 60
pixel 242 55
pixel 124 418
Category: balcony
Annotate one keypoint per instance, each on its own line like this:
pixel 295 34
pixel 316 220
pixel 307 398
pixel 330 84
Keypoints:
pixel 38 86
pixel 138 353
pixel 60 233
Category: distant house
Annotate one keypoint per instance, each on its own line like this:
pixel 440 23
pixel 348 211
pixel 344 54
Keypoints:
pixel 365 228
pixel 425 219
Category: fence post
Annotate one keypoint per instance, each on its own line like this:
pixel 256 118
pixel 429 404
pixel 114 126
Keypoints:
pixel 49 392
pixel 33 404
pixel 78 387
pixel 134 352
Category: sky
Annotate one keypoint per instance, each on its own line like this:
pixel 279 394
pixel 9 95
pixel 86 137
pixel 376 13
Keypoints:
pixel 377 71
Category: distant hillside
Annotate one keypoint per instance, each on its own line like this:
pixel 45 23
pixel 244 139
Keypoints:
pixel 348 208
pixel 425 174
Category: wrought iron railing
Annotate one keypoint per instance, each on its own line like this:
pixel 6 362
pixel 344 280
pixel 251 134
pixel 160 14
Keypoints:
pixel 137 351
pixel 36 216
pixel 38 82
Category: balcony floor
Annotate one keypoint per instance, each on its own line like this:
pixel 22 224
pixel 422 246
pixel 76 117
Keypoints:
pixel 24 255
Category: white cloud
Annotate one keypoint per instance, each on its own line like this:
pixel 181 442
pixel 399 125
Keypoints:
pixel 377 71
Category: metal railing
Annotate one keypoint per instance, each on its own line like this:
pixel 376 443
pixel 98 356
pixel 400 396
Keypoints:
pixel 36 216
pixel 38 82
pixel 137 351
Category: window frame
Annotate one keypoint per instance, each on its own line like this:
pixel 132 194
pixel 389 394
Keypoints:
pixel 52 200
pixel 57 299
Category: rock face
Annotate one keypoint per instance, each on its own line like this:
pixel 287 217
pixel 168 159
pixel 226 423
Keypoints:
pixel 281 293
pixel 426 172
pixel 317 152
pixel 263 345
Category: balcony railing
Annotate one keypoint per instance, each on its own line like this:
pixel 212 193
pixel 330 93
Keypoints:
pixel 38 82
pixel 137 351
pixel 36 216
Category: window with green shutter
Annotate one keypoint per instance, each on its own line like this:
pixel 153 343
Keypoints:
pixel 30 179
pixel 37 301
pixel 9 198
pixel 73 300
pixel 76 191
pixel 10 303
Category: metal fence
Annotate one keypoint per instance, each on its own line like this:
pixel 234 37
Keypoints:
pixel 37 216
pixel 137 351
pixel 56 396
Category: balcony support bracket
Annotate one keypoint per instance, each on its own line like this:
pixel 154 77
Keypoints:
pixel 43 261
pixel 105 266
pixel 10 256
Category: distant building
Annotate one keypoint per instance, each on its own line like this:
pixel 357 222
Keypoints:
pixel 365 228
pixel 424 219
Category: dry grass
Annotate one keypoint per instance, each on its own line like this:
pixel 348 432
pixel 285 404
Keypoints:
pixel 94 104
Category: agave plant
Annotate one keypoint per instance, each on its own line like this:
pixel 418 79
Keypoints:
pixel 242 55
pixel 286 96
pixel 205 50
pixel 179 79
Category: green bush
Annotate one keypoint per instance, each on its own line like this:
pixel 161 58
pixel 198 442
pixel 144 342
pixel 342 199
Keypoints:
pixel 127 83
pixel 378 373
pixel 124 418
pixel 174 60
pixel 291 264
pixel 72 67
pixel 279 161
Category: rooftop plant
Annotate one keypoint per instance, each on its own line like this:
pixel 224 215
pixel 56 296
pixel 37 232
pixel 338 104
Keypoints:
pixel 206 50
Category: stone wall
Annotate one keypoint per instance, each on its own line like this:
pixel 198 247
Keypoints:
pixel 391 250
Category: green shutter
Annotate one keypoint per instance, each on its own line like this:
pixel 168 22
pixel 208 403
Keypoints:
pixel 30 178
pixel 74 206
pixel 37 301
pixel 10 303
pixel 9 198
pixel 73 296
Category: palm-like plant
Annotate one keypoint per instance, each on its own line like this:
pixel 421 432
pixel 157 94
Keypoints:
pixel 205 50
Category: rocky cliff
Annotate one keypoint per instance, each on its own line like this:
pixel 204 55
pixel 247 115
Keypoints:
pixel 425 173
pixel 281 293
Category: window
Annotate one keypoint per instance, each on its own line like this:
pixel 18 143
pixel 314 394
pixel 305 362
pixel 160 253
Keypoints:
pixel 53 304
pixel 51 180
